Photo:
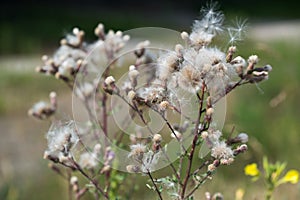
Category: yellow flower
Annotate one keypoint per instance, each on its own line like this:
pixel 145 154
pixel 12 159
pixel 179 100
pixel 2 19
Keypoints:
pixel 291 176
pixel 251 170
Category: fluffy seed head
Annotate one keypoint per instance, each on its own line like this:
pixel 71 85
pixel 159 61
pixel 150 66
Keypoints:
pixel 133 168
pixel 137 151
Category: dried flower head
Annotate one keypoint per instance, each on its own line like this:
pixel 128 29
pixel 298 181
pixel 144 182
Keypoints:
pixel 189 78
pixel 61 138
pixel 90 160
pixel 221 151
pixel 43 110
pixel 155 93
pixel 167 64
pixel 133 168
pixel 150 161
pixel 137 151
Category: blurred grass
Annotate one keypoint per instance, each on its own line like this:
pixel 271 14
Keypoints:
pixel 22 86
pixel 273 131
pixel 275 128
pixel 23 89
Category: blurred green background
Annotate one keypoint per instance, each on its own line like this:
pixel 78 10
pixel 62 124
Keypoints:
pixel 29 29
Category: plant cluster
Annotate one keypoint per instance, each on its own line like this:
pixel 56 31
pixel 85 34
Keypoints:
pixel 196 75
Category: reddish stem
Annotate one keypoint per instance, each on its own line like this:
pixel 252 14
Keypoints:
pixel 196 134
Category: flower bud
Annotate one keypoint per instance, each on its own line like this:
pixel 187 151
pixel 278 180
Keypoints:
pixel 208 102
pixel 133 139
pixel 204 134
pixel 184 35
pixel 217 196
pixel 243 147
pixel 126 38
pixel 252 60
pixel 132 74
pixel 157 138
pixel 164 105
pixel 211 167
pixel 74 180
pixel 179 49
pixel 231 51
pixel 242 137
pixel 216 163
pixel 176 135
pixel 131 95
pixel 106 168
pixel 109 80
pixel 209 112
pixel 99 31
pixel 268 68
pixel 97 148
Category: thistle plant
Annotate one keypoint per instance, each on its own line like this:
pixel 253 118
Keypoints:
pixel 160 113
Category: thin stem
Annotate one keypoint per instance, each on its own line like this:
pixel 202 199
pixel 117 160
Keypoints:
pixel 179 112
pixel 197 186
pixel 81 193
pixel 228 90
pixel 200 167
pixel 94 182
pixel 188 171
pixel 140 115
pixel 107 181
pixel 153 182
pixel 135 108
pixel 57 170
pixel 269 194
pixel 177 174
pixel 104 99
pixel 189 165
pixel 104 114
pixel 170 127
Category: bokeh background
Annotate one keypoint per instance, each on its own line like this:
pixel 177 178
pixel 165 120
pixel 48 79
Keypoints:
pixel 269 114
